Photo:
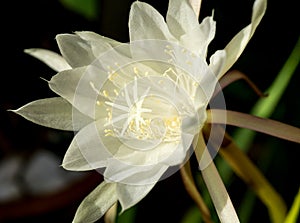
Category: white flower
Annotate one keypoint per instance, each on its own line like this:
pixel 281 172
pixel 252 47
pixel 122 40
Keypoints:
pixel 136 107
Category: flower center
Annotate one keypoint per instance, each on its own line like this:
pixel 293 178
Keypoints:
pixel 140 117
pixel 144 125
pixel 144 107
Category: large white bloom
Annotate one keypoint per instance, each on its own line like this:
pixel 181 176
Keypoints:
pixel 136 107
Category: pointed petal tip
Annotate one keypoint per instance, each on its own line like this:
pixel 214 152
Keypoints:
pixel 11 110
pixel 136 3
pixel 29 50
pixel 32 51
pixel 60 37
pixel 15 110
pixel 45 80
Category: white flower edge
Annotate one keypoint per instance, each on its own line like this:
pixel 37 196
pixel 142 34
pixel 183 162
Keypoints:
pixel 104 196
pixel 52 59
pixel 54 113
pixel 236 46
pixel 95 205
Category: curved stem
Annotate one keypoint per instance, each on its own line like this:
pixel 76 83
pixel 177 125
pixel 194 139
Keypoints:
pixel 251 175
pixel 216 188
pixel 235 75
pixel 191 188
pixel 243 120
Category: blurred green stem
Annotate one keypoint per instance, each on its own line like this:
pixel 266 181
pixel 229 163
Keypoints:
pixel 294 211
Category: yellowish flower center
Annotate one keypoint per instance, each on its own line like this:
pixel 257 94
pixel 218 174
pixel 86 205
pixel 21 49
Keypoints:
pixel 145 107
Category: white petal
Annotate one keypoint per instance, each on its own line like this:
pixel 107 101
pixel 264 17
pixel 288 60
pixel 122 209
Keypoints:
pixel 101 44
pixel 196 5
pixel 181 18
pixel 95 205
pixel 236 46
pixel 183 24
pixel 198 39
pixel 54 113
pixel 181 152
pixel 52 59
pixel 129 195
pixel 75 86
pixel 217 62
pixel 146 23
pixel 87 150
pixel 92 36
pixel 118 171
pixel 98 45
pixel 145 156
pixel 75 50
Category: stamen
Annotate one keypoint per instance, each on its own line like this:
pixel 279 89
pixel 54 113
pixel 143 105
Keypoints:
pixel 120 107
pixel 105 93
pixel 127 98
pixel 135 97
pixel 116 92
pixel 117 119
pixel 94 88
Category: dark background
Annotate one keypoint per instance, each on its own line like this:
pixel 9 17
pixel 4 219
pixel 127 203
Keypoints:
pixel 33 23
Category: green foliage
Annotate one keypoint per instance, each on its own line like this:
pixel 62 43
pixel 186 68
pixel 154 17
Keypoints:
pixel 294 211
pixel 266 106
pixel 127 216
pixel 87 8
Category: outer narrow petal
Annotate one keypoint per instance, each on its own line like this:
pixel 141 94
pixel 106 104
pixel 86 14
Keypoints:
pixel 54 113
pixel 236 46
pixel 95 205
pixel 87 150
pixel 52 59
pixel 97 43
pixel 198 39
pixel 75 86
pixel 92 36
pixel 181 18
pixel 129 195
pixel 184 25
pixel 217 63
pixel 208 30
pixel 75 50
pixel 101 44
pixel 146 23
